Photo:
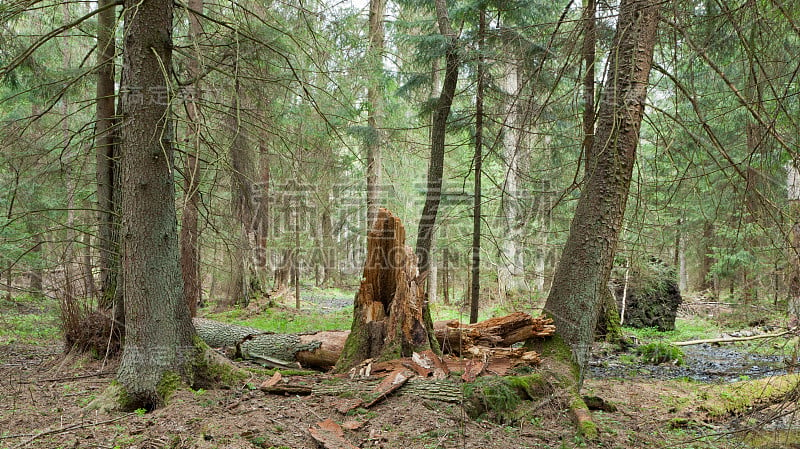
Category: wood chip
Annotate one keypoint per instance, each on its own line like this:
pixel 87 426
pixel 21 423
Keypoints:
pixel 272 381
pixel 388 385
pixel 330 435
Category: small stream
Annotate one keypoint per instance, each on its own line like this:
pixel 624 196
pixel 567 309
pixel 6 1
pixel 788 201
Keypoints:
pixel 702 363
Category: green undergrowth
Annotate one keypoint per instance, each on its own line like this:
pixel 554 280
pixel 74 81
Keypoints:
pixel 29 319
pixel 693 328
pixel 734 399
pixel 658 352
pixel 453 311
pixel 284 320
pixel 773 440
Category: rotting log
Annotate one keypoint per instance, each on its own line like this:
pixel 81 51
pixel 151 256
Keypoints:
pixel 438 390
pixel 318 349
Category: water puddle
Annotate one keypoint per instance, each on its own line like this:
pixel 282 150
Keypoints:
pixel 702 363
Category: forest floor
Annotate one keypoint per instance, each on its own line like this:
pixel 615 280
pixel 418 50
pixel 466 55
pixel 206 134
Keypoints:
pixel 43 393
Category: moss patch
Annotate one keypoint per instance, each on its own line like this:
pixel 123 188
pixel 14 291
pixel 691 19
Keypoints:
pixel 493 397
pixel 170 383
pixel 736 398
pixel 210 370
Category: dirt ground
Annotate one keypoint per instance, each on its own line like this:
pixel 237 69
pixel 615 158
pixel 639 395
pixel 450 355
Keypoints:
pixel 43 394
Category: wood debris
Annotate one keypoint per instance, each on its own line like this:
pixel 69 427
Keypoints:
pixel 330 435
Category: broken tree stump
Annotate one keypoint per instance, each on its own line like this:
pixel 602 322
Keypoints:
pixel 389 316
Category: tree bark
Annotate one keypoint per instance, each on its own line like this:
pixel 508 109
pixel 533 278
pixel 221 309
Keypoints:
pixel 583 271
pixel 427 220
pixel 390 316
pixel 245 283
pixel 190 233
pixel 159 337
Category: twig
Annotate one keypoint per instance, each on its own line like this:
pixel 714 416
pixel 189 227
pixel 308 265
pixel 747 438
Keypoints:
pixel 59 379
pixel 64 430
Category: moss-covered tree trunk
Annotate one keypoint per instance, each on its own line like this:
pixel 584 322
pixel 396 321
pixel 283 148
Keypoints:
pixel 159 338
pixel 389 318
pixel 582 274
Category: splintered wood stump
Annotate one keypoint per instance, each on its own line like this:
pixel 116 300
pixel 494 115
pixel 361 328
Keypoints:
pixel 390 319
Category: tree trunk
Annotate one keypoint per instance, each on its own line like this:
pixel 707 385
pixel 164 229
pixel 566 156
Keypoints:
pixel 793 240
pixel 390 317
pixel 433 194
pixel 478 163
pixel 581 277
pixel 106 154
pixel 244 284
pixel 588 53
pixel 159 337
pixel 511 267
pixel 375 100
pixel 190 233
pixel 706 258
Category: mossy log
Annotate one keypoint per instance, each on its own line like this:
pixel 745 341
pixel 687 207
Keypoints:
pixel 367 390
pixel 318 349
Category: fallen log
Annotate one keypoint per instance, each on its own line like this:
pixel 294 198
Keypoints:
pixel 729 339
pixel 322 349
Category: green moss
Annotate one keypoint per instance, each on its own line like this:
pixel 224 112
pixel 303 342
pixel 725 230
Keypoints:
pixel 493 397
pixel 586 427
pixel 208 370
pixel 170 383
pixel 533 385
pixel 738 397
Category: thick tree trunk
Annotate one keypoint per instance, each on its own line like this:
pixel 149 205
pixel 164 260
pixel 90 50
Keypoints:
pixel 159 337
pixel 190 233
pixel 433 195
pixel 583 271
pixel 390 316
